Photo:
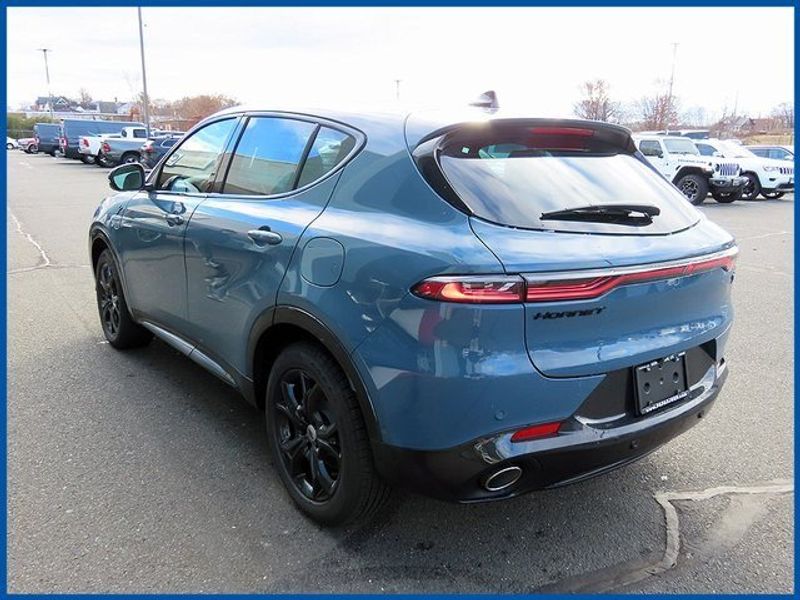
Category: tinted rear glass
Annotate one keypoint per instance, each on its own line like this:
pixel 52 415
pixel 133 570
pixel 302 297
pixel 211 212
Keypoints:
pixel 511 176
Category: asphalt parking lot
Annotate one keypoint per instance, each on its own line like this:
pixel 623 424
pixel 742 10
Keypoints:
pixel 140 472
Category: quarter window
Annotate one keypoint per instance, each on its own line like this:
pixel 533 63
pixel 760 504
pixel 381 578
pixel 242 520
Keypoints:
pixel 268 156
pixel 193 165
pixel 329 149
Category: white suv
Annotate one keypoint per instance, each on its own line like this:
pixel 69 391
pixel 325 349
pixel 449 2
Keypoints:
pixel 766 176
pixel 678 159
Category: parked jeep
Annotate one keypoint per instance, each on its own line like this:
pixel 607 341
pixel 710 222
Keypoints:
pixel 766 176
pixel 678 159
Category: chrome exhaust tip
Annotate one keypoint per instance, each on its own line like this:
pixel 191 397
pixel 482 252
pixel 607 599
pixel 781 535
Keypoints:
pixel 502 479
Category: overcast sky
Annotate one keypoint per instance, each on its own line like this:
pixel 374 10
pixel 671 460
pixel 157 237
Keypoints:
pixel 534 57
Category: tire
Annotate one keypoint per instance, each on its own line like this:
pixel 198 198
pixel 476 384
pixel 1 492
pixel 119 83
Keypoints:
pixel 752 188
pixel 727 197
pixel 129 158
pixel 87 159
pixel 772 195
pixel 318 438
pixel 103 161
pixel 9 146
pixel 694 187
pixel 120 329
pixel 33 149
pixel 52 153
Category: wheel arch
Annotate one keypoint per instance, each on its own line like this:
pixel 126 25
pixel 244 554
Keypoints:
pixel 683 171
pixel 99 241
pixel 284 325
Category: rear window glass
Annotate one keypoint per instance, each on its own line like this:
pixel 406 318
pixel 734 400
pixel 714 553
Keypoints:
pixel 513 176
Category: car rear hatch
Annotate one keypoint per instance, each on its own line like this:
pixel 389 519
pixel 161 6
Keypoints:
pixel 603 288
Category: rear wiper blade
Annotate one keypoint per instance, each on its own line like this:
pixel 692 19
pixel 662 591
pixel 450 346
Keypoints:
pixel 633 214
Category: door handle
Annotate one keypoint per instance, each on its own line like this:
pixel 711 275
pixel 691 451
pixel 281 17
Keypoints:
pixel 264 237
pixel 174 219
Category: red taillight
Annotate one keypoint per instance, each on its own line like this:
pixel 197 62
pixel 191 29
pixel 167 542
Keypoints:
pixel 535 432
pixel 557 287
pixel 84 142
pixel 148 147
pixel 472 290
pixel 594 287
pixel 105 147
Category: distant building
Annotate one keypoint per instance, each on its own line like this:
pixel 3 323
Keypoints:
pixel 126 108
pixel 60 104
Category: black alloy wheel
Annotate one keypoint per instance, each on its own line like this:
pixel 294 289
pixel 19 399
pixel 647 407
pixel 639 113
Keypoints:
pixel 694 187
pixel 318 437
pixel 108 299
pixel 120 329
pixel 308 436
pixel 752 187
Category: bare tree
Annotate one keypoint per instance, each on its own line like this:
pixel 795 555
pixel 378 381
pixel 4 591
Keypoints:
pixel 84 97
pixel 196 108
pixel 785 114
pixel 596 104
pixel 659 111
pixel 696 116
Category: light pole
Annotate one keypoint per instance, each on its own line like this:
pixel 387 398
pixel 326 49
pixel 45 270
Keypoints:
pixel 44 52
pixel 672 74
pixel 145 100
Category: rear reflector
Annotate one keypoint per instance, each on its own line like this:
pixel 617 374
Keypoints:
pixel 536 431
pixel 507 289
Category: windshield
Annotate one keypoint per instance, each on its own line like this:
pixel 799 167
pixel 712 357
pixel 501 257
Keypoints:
pixel 512 178
pixel 732 150
pixel 680 146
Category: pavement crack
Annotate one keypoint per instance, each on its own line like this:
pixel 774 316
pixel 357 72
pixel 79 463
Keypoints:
pixel 44 260
pixel 49 266
pixel 637 570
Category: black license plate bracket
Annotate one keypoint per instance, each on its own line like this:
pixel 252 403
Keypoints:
pixel 660 383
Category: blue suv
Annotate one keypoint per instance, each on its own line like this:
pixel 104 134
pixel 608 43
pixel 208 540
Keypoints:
pixel 469 305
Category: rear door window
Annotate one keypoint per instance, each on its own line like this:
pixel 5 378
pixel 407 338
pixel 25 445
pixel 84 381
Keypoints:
pixel 512 175
pixel 268 156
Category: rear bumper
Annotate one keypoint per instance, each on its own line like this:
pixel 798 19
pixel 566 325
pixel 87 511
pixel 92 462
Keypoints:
pixel 582 449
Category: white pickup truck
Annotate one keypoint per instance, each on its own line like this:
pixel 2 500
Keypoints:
pixel 89 145
pixel 678 159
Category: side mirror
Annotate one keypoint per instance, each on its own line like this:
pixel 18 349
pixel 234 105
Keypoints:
pixel 127 178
